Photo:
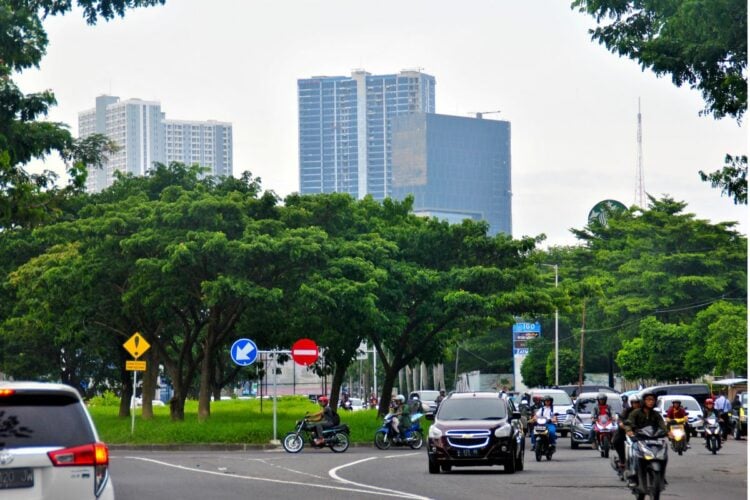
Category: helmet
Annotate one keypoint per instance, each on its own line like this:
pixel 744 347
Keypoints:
pixel 537 399
pixel 400 398
pixel 601 396
pixel 323 399
pixel 646 394
pixel 635 398
pixel 677 402
pixel 709 401
pixel 624 397
pixel 547 398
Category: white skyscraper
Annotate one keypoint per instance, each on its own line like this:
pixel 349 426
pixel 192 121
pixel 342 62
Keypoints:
pixel 145 136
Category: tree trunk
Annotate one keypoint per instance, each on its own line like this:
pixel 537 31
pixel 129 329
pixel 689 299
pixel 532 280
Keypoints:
pixel 177 406
pixel 127 391
pixel 385 396
pixel 149 384
pixel 204 391
pixel 339 372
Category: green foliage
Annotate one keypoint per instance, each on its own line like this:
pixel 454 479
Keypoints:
pixel 732 179
pixel 568 363
pixel 718 340
pixel 107 398
pixel 534 366
pixel 702 43
pixel 659 350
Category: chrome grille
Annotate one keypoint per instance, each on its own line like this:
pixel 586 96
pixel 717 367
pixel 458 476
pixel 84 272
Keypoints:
pixel 469 438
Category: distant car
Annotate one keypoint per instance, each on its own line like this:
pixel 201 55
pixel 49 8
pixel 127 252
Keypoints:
pixel 358 404
pixel 561 403
pixel 690 405
pixel 738 418
pixel 573 391
pixel 49 447
pixel 427 398
pixel 580 430
pixel 475 429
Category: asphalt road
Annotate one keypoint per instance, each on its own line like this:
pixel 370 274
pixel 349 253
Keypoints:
pixel 364 472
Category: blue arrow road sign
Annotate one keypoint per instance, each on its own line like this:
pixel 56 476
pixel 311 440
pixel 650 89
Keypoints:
pixel 244 352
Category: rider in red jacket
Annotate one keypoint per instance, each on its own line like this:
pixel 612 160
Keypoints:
pixel 677 411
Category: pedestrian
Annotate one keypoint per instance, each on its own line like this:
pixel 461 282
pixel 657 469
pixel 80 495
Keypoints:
pixel 722 405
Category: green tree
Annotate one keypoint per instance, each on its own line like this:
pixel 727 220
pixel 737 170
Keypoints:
pixel 660 349
pixel 718 340
pixel 28 199
pixel 702 43
pixel 567 366
pixel 534 366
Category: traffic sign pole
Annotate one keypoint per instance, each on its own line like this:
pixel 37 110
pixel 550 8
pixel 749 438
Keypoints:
pixel 132 413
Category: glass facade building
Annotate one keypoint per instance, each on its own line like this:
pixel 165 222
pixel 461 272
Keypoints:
pixel 344 128
pixel 455 167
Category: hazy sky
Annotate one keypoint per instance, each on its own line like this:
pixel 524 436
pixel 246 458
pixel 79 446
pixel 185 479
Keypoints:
pixel 572 105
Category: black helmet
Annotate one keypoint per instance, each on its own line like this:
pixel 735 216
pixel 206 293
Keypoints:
pixel 624 397
pixel 601 396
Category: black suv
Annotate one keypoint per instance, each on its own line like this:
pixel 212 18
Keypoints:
pixel 475 428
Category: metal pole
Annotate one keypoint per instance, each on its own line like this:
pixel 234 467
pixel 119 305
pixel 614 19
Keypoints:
pixel 132 414
pixel 557 344
pixel 275 441
pixel 375 371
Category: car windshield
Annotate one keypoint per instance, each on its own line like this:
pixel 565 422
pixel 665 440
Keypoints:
pixel 43 420
pixel 471 409
pixel 558 398
pixel 427 395
pixel 743 398
pixel 586 405
pixel 688 404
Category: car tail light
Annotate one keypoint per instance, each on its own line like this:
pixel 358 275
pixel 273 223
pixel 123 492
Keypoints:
pixel 6 392
pixel 96 455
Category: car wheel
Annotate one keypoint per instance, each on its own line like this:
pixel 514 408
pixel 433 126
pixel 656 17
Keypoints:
pixel 573 444
pixel 433 467
pixel 446 467
pixel 510 465
pixel 519 460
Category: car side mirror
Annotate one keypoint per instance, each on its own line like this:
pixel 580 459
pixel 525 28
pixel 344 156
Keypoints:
pixel 430 416
pixel 570 411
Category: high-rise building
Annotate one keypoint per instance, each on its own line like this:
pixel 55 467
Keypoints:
pixel 209 144
pixel 455 167
pixel 344 128
pixel 144 136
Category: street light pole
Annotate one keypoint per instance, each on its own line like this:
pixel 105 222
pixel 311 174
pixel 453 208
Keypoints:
pixel 557 345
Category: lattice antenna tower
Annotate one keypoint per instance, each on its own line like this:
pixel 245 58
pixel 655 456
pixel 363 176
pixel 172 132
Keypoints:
pixel 639 182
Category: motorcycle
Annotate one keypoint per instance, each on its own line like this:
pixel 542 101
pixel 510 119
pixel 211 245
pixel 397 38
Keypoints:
pixel 712 434
pixel 646 454
pixel 346 405
pixel 336 438
pixel 604 428
pixel 542 439
pixel 385 437
pixel 677 427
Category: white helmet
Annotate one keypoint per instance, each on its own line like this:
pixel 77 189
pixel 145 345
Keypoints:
pixel 400 398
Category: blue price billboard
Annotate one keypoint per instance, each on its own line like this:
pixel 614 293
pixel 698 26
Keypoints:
pixel 522 333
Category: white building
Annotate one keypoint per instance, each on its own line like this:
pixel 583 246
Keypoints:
pixel 144 135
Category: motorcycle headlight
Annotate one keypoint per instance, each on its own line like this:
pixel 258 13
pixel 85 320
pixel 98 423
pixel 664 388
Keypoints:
pixel 434 432
pixel 503 431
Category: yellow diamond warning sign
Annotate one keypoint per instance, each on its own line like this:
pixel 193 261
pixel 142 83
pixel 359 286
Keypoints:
pixel 136 345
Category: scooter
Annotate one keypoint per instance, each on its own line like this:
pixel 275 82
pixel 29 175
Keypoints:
pixel 677 427
pixel 712 434
pixel 604 427
pixel 646 454
pixel 543 445
pixel 336 438
pixel 385 437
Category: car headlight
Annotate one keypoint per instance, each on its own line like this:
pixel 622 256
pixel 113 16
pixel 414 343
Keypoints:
pixel 434 432
pixel 503 431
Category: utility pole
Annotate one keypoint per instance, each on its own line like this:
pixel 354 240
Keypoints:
pixel 580 362
pixel 557 343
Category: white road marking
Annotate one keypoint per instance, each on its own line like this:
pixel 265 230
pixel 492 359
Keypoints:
pixel 278 481
pixel 380 491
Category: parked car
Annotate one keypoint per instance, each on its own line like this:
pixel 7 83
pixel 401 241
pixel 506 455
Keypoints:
pixel 580 430
pixel 739 418
pixel 427 397
pixel 561 403
pixel 49 447
pixel 573 391
pixel 690 405
pixel 475 429
pixel 358 404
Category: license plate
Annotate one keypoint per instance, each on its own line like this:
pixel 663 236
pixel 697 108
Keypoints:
pixel 468 453
pixel 16 478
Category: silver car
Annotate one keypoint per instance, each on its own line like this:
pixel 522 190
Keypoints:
pixel 49 447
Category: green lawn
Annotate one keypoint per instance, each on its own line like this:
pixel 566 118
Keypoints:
pixel 232 421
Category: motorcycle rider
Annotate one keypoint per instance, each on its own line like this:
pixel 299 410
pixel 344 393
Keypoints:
pixel 601 408
pixel 547 411
pixel 618 441
pixel 625 404
pixel 677 411
pixel 402 416
pixel 710 411
pixel 644 416
pixel 323 419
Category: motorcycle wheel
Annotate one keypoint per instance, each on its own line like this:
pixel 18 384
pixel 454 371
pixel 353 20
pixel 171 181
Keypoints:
pixel 417 440
pixel 382 440
pixel 736 433
pixel 538 453
pixel 713 446
pixel 605 446
pixel 340 443
pixel 293 443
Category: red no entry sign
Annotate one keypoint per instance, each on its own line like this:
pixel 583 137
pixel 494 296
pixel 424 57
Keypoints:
pixel 305 352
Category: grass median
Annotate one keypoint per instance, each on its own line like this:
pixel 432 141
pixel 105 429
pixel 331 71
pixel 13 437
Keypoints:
pixel 232 421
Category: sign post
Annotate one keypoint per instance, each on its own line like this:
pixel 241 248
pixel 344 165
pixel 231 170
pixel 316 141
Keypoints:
pixel 522 333
pixel 136 345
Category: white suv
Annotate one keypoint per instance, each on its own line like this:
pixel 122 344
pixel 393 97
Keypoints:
pixel 49 448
